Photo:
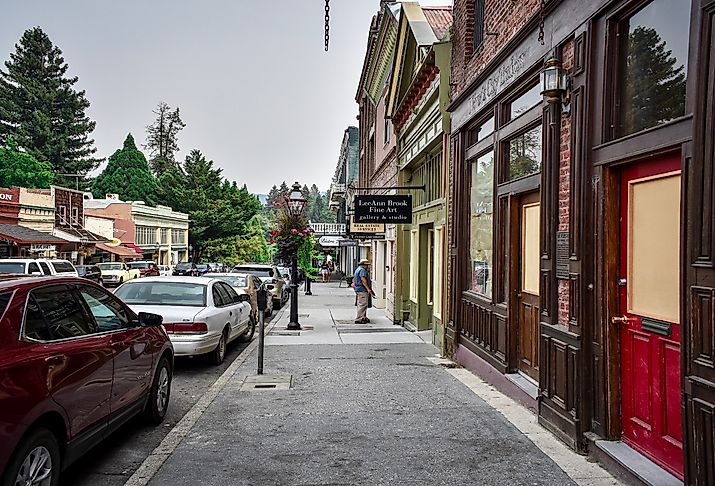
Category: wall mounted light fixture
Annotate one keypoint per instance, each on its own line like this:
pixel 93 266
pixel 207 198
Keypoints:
pixel 555 83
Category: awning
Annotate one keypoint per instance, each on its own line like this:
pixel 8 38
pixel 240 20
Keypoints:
pixel 133 247
pixel 75 235
pixel 120 251
pixel 28 236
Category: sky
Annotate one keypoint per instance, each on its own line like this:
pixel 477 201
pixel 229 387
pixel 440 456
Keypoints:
pixel 258 93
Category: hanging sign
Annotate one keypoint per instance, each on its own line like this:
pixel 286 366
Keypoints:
pixel 42 247
pixel 385 209
pixel 329 241
pixel 366 228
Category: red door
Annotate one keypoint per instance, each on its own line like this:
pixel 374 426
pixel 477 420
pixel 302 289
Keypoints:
pixel 649 305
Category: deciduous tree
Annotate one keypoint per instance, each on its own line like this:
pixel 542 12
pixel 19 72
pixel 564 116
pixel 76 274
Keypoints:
pixel 22 169
pixel 162 138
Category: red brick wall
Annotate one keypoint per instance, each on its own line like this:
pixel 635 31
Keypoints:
pixel 565 186
pixel 505 17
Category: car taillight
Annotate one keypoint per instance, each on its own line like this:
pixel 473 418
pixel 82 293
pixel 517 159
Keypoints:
pixel 186 328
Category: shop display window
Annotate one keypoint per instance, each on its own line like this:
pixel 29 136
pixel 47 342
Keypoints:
pixel 481 224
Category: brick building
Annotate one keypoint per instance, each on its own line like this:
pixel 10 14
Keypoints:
pixel 581 226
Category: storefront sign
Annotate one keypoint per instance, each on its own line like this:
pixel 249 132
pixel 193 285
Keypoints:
pixel 4 196
pixel 369 237
pixel 366 228
pixel 330 240
pixel 42 247
pixel 344 243
pixel 390 209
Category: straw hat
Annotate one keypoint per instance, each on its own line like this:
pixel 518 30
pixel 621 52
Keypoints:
pixel 364 261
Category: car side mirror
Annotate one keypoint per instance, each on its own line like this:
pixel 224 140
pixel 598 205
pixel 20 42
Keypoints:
pixel 147 319
pixel 244 297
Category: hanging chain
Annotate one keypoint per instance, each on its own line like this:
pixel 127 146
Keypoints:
pixel 327 24
pixel 541 22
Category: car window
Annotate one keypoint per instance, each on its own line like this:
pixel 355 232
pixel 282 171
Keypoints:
pixel 12 267
pixel 45 268
pixel 110 266
pixel 33 267
pixel 107 312
pixel 62 312
pixel 63 267
pixel 219 300
pixel 232 295
pixel 35 325
pixel 163 293
pixel 227 293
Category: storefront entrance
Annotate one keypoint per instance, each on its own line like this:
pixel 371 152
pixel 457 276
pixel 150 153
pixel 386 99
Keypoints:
pixel 649 320
pixel 528 285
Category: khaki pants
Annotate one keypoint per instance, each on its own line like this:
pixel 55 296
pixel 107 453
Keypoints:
pixel 361 305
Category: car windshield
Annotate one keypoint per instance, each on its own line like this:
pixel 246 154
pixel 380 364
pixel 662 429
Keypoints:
pixel 163 293
pixel 81 270
pixel 257 271
pixel 10 267
pixel 110 266
pixel 139 265
pixel 183 266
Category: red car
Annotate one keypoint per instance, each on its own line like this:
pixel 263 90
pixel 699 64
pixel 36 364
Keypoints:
pixel 146 269
pixel 75 364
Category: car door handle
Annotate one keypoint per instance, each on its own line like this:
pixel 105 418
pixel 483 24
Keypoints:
pixel 230 313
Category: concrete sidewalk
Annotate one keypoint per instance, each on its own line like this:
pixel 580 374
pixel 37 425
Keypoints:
pixel 360 404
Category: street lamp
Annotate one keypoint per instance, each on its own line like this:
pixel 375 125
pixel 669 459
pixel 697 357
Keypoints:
pixel 295 204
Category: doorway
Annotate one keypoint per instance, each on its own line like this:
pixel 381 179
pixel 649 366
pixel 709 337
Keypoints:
pixel 649 305
pixel 527 261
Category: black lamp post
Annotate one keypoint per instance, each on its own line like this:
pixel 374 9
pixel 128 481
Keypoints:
pixel 295 205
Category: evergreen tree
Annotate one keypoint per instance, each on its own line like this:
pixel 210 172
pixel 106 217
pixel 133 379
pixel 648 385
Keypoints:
pixel 655 86
pixel 42 111
pixel 162 140
pixel 22 169
pixel 127 174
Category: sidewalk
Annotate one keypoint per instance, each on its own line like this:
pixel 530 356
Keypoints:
pixel 367 404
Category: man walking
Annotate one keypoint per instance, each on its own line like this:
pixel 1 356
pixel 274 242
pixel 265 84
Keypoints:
pixel 363 291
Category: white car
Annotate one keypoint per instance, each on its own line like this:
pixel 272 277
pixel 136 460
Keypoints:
pixel 201 315
pixel 165 270
pixel 116 273
pixel 38 266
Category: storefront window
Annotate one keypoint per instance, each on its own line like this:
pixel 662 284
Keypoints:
pixel 482 131
pixel 654 65
pixel 525 154
pixel 526 101
pixel 481 224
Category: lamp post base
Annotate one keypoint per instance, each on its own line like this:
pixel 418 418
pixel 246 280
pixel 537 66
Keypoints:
pixel 294 326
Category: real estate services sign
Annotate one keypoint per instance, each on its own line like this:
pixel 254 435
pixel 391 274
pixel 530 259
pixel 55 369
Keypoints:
pixel 390 209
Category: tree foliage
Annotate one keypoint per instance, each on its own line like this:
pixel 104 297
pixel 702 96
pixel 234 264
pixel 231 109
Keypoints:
pixel 654 86
pixel 127 174
pixel 161 140
pixel 217 208
pixel 42 111
pixel 22 169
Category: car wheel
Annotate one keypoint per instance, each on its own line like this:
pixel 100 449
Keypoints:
pixel 248 335
pixel 158 400
pixel 36 460
pixel 219 354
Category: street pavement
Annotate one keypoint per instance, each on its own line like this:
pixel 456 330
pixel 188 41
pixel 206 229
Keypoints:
pixel 113 461
pixel 351 404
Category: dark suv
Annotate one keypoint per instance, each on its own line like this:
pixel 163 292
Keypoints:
pixel 186 268
pixel 75 364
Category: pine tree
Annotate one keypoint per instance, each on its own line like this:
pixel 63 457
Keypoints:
pixel 42 111
pixel 127 174
pixel 162 140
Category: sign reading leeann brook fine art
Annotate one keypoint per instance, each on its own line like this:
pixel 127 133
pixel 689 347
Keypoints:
pixel 392 209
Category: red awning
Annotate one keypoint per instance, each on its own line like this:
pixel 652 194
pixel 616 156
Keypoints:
pixel 133 247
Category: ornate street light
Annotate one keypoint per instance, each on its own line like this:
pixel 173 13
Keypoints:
pixel 295 204
pixel 555 83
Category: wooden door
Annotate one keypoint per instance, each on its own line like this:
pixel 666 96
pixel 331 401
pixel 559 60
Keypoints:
pixel 650 311
pixel 528 262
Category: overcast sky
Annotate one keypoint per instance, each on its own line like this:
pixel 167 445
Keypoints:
pixel 257 92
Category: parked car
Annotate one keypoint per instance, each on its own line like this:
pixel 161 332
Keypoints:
pixel 202 268
pixel 216 267
pixel 116 273
pixel 201 315
pixel 285 273
pixel 165 271
pixel 244 283
pixel 75 364
pixel 38 266
pixel 146 268
pixel 185 268
pixel 276 282
pixel 90 272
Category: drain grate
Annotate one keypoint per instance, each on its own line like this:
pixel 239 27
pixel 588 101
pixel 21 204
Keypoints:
pixel 267 382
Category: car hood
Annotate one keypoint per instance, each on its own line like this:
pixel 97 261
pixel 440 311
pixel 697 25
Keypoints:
pixel 170 313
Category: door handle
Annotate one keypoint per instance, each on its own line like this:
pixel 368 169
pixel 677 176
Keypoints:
pixel 230 313
pixel 621 319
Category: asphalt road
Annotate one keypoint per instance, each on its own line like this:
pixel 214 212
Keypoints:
pixel 113 461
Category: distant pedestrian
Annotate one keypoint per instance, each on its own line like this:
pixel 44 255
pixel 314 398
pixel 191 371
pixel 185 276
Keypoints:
pixel 363 291
pixel 325 272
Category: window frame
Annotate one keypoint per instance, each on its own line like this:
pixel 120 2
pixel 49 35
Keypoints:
pixel 131 316
pixel 70 290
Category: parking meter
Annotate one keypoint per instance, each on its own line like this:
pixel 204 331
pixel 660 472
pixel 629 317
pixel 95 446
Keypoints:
pixel 262 298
